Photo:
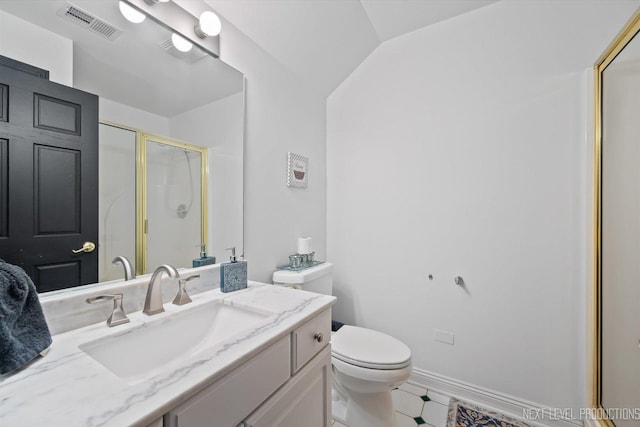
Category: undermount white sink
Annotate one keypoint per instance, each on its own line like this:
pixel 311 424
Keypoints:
pixel 143 349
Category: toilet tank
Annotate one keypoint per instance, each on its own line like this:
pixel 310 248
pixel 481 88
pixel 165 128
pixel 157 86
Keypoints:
pixel 317 279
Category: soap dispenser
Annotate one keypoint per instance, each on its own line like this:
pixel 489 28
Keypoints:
pixel 204 259
pixel 233 274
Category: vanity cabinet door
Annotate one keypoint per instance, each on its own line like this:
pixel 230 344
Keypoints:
pixel 303 401
pixel 230 399
pixel 157 423
pixel 310 338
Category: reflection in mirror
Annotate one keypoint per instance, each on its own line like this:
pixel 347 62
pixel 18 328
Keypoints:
pixel 618 229
pixel 170 180
pixel 117 200
pixel 174 194
pixel 143 82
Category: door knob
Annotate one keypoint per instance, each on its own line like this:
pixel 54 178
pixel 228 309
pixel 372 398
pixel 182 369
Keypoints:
pixel 86 247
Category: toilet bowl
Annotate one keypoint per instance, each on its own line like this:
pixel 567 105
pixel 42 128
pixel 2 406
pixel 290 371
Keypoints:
pixel 366 364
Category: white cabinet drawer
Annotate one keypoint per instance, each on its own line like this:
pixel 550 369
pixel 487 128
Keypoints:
pixel 310 338
pixel 230 399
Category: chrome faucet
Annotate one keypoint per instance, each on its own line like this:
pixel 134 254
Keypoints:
pixel 128 269
pixel 153 301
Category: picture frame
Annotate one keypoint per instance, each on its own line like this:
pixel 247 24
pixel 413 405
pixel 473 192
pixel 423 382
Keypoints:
pixel 297 170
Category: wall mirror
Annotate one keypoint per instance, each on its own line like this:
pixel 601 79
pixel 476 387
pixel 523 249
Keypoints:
pixel 616 370
pixel 185 108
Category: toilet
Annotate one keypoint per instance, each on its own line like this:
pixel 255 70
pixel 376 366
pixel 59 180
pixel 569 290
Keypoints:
pixel 367 364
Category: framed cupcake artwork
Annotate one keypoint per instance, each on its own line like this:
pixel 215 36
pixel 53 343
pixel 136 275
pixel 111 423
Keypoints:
pixel 297 171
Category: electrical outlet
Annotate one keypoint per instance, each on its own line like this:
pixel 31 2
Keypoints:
pixel 444 336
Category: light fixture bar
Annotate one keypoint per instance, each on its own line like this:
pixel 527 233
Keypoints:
pixel 177 20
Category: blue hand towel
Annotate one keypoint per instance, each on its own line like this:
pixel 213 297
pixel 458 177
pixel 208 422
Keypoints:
pixel 23 330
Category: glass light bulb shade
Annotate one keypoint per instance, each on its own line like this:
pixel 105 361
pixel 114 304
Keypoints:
pixel 131 14
pixel 210 23
pixel 180 43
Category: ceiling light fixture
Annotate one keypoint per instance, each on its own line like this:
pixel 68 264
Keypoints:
pixel 130 13
pixel 208 25
pixel 191 30
pixel 180 43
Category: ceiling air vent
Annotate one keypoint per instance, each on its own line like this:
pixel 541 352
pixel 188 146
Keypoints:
pixel 195 54
pixel 89 21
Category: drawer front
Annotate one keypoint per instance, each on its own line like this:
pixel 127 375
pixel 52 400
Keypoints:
pixel 310 338
pixel 229 400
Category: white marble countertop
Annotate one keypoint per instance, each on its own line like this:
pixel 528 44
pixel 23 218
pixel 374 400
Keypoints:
pixel 69 388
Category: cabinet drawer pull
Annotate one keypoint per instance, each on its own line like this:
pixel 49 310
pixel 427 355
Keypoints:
pixel 318 337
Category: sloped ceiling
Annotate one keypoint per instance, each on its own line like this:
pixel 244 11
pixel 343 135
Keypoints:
pixel 323 41
pixel 392 18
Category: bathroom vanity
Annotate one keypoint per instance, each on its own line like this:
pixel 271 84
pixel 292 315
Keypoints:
pixel 256 357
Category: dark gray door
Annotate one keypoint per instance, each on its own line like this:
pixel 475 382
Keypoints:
pixel 48 179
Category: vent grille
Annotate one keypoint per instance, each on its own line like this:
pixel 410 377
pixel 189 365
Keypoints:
pixel 167 44
pixel 194 55
pixel 78 16
pixel 89 21
pixel 104 29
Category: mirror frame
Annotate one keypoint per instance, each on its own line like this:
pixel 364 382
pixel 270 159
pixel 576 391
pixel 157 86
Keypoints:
pixel 622 39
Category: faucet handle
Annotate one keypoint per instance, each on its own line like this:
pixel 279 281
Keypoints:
pixel 117 317
pixel 182 297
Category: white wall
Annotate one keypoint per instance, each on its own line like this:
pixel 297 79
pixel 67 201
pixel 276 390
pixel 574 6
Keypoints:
pixel 125 115
pixel 25 42
pixel 462 149
pixel 282 114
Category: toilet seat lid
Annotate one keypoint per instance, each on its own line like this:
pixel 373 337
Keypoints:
pixel 369 349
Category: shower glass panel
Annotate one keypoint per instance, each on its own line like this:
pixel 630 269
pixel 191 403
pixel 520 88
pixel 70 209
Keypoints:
pixel 117 199
pixel 174 214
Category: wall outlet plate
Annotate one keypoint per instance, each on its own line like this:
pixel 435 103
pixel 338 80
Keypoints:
pixel 444 336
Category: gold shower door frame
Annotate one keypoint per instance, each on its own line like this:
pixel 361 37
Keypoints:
pixel 595 375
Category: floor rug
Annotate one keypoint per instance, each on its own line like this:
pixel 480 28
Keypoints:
pixel 463 414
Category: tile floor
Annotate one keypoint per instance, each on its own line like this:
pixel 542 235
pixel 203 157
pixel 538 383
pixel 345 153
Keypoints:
pixel 417 407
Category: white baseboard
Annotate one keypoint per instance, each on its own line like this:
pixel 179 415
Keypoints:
pixel 489 399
